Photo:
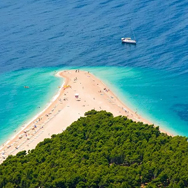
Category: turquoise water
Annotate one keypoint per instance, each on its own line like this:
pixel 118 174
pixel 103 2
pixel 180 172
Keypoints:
pixel 39 37
pixel 157 99
pixel 154 102
pixel 18 104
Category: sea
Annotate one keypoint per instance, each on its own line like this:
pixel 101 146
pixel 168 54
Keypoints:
pixel 39 38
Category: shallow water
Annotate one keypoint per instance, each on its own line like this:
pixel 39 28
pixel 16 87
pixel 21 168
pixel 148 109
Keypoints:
pixel 157 99
pixel 40 37
pixel 19 104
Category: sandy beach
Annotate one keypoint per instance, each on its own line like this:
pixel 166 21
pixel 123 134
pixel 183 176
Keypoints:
pixel 80 93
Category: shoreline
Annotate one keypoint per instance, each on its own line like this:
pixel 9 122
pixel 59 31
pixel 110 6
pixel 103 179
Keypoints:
pixel 21 129
pixel 25 125
pixel 93 94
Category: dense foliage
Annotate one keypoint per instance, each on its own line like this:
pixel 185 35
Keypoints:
pixel 100 150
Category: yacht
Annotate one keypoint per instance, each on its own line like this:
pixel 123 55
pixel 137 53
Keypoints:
pixel 128 41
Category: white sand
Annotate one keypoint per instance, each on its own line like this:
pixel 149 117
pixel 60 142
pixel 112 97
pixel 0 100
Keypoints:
pixel 66 108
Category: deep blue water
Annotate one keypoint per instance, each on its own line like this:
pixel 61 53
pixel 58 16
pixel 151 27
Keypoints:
pixel 39 37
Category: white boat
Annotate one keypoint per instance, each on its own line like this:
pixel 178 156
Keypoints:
pixel 128 41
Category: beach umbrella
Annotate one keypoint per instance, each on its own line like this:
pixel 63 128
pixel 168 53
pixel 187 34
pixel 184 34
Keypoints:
pixel 76 95
pixel 4 156
pixel 20 136
pixel 125 109
pixel 27 130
